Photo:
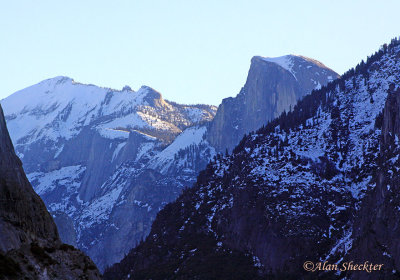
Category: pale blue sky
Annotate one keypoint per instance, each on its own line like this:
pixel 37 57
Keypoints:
pixel 190 51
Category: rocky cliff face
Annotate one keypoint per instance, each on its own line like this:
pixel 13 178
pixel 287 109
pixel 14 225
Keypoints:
pixel 318 184
pixel 29 244
pixel 273 85
pixel 24 217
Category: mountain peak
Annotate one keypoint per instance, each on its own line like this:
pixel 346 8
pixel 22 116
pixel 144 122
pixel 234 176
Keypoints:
pixel 288 61
pixel 57 80
pixel 285 61
pixel 273 86
pixel 151 94
pixel 127 88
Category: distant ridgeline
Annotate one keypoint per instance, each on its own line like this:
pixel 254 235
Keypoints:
pixel 320 183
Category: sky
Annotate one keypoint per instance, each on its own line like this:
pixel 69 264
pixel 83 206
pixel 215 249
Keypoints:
pixel 190 51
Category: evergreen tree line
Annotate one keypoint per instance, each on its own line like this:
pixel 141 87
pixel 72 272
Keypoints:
pixel 308 106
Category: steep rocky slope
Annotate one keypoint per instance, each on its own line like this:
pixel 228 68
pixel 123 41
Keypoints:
pixel 316 184
pixel 273 86
pixel 29 244
pixel 20 205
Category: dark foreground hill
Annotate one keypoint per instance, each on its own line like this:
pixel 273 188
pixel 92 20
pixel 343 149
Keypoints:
pixel 30 247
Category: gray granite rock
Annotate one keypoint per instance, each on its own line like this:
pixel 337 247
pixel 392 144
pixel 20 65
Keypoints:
pixel 273 85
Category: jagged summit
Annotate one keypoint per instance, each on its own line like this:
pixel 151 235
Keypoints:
pixel 151 93
pixel 61 108
pixel 62 81
pixel 127 88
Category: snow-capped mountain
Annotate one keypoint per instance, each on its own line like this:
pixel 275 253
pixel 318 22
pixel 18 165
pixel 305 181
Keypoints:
pixel 85 149
pixel 319 183
pixel 57 110
pixel 106 161
pixel 273 85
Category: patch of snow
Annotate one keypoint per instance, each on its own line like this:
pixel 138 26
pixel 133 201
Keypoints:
pixel 100 209
pixel 113 133
pixel 144 149
pixel 190 136
pixel 117 150
pixel 58 152
pixel 195 114
pixel 67 177
pixel 128 121
pixel 286 62
pixel 60 108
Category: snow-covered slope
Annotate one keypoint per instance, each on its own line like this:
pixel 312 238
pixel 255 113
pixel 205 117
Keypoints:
pixel 285 62
pixel 191 137
pixel 294 63
pixel 60 108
